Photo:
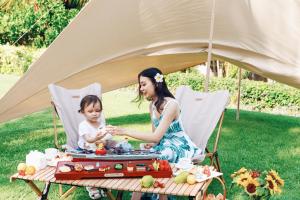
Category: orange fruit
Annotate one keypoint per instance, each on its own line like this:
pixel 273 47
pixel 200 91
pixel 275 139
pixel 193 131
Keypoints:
pixel 30 170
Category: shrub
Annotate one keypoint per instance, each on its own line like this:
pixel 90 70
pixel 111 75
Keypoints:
pixel 259 95
pixel 16 60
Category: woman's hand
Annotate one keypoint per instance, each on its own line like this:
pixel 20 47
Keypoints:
pixel 110 129
pixel 119 131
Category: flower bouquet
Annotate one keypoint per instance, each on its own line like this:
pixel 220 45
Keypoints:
pixel 257 185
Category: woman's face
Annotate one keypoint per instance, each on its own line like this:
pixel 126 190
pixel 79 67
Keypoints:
pixel 147 88
pixel 92 112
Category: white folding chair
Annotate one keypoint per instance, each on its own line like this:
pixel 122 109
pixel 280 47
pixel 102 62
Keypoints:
pixel 66 103
pixel 200 113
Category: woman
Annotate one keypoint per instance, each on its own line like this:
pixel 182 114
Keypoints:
pixel 168 135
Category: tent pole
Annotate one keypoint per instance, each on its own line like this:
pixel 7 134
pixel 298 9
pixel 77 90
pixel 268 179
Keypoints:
pixel 239 95
pixel 210 46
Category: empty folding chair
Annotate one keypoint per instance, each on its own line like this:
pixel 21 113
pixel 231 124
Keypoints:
pixel 200 114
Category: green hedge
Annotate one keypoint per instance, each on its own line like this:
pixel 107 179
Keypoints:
pixel 259 95
pixel 16 60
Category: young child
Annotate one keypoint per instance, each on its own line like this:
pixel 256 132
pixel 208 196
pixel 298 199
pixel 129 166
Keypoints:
pixel 92 131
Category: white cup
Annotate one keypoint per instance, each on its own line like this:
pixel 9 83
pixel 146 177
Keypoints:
pixel 184 161
pixel 51 153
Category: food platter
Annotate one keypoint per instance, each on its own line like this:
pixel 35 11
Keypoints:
pixel 83 169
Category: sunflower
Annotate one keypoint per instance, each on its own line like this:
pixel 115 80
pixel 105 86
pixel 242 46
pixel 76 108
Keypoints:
pixel 276 177
pixel 243 178
pixel 272 185
pixel 240 171
pixel 250 186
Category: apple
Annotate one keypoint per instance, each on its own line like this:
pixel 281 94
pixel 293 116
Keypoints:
pixel 21 167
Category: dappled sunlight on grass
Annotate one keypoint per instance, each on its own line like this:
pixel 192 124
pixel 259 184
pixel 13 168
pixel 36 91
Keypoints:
pixel 112 101
pixel 15 142
pixel 226 131
pixel 294 130
pixel 142 118
pixel 29 137
pixel 293 152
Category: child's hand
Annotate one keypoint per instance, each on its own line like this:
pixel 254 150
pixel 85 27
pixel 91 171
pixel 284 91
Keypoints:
pixel 100 135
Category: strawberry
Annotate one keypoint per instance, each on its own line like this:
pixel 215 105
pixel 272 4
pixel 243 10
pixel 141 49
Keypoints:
pixel 156 184
pixel 151 167
pixel 161 185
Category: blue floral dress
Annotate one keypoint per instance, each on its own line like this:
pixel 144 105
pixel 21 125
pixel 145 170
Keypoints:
pixel 175 143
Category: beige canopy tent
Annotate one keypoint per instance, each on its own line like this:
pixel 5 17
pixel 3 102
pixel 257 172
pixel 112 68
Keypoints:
pixel 111 41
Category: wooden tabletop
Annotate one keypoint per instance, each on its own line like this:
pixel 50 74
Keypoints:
pixel 125 184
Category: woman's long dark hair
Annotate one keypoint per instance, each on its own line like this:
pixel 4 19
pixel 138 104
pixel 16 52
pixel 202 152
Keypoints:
pixel 161 88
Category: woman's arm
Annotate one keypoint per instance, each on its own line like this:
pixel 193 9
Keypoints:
pixel 170 114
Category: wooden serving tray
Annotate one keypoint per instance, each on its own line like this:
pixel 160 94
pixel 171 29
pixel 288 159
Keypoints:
pixel 107 169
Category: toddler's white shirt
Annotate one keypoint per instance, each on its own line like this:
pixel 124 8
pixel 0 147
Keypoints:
pixel 85 128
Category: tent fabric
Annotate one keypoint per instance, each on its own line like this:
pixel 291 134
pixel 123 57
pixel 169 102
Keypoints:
pixel 201 112
pixel 112 41
pixel 67 103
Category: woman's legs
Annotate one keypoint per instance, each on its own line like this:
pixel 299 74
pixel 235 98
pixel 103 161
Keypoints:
pixel 163 197
pixel 136 196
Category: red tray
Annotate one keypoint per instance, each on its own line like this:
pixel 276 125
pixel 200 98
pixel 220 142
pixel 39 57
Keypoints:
pixel 107 169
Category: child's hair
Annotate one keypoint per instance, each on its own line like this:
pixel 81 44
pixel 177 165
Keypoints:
pixel 87 100
pixel 161 88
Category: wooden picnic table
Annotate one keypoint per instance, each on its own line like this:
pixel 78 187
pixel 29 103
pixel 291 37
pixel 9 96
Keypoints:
pixel 46 175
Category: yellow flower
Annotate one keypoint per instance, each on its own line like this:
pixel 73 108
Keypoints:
pixel 243 178
pixel 240 171
pixel 276 177
pixel 272 185
pixel 250 186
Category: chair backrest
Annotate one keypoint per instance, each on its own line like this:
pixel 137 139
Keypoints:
pixel 201 112
pixel 67 103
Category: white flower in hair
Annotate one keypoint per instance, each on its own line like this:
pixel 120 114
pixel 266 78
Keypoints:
pixel 159 78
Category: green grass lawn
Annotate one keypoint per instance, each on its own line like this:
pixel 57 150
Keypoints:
pixel 258 141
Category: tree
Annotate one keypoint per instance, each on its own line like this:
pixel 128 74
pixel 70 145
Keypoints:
pixel 35 24
pixel 7 5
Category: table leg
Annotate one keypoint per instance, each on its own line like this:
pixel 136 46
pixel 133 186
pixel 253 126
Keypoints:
pixel 45 191
pixel 34 187
pixel 109 194
pixel 67 193
pixel 119 195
